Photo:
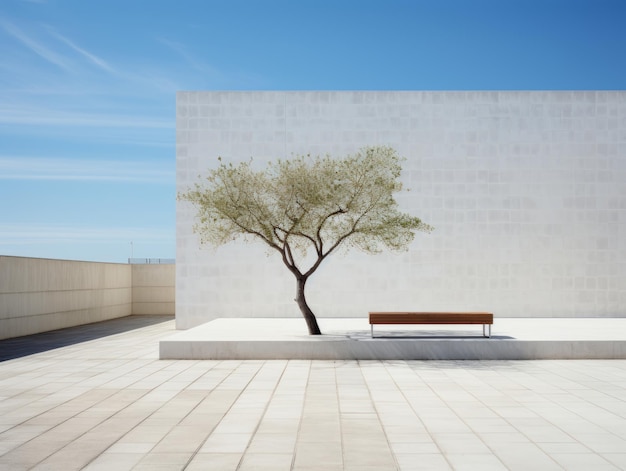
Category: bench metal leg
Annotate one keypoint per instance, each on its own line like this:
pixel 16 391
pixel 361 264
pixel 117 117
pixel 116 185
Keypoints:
pixel 484 333
pixel 372 328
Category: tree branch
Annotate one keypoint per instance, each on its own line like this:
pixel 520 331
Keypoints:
pixel 318 234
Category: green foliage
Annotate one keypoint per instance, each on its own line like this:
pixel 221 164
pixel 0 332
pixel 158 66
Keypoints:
pixel 307 204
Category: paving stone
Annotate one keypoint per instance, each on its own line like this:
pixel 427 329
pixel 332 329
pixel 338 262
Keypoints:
pixel 107 402
pixel 217 461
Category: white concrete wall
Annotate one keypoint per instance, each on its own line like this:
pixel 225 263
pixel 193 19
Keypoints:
pixel 153 289
pixel 37 295
pixel 525 189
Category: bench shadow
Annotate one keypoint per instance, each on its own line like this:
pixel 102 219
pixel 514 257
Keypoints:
pixel 425 335
pixel 19 347
pixel 439 337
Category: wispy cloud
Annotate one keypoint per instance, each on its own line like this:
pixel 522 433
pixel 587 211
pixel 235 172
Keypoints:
pixel 29 234
pixel 101 63
pixel 30 168
pixel 35 46
pixel 58 49
pixel 24 115
pixel 189 58
pixel 81 68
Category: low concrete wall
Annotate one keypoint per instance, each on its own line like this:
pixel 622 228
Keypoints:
pixel 38 295
pixel 153 289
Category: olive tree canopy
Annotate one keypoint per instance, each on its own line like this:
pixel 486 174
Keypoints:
pixel 305 208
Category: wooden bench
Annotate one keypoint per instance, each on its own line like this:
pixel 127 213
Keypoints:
pixel 484 318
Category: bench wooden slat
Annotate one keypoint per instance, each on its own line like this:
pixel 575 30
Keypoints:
pixel 430 318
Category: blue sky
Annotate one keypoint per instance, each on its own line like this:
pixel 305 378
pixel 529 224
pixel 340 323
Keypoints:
pixel 87 89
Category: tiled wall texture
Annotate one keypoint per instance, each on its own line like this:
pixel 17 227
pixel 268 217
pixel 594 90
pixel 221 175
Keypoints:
pixel 38 295
pixel 526 191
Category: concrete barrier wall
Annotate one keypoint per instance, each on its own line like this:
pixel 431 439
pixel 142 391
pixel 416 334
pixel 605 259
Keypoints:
pixel 38 295
pixel 525 190
pixel 153 289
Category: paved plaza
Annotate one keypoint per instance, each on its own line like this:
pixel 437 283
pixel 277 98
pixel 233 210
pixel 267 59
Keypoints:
pixel 99 398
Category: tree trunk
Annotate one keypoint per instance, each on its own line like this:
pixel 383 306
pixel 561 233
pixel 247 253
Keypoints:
pixel 308 315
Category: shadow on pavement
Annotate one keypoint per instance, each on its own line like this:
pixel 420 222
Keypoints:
pixel 30 344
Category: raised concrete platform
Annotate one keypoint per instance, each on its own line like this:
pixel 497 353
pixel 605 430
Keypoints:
pixel 350 339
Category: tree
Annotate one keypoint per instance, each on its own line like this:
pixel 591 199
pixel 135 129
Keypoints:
pixel 307 205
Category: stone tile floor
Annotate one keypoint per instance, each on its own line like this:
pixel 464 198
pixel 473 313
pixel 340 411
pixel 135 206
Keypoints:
pixel 109 403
